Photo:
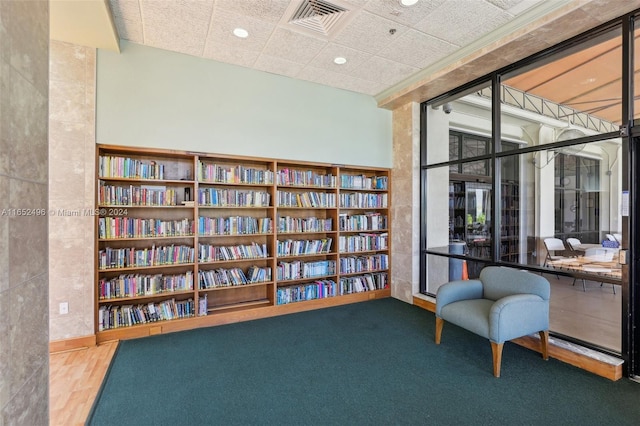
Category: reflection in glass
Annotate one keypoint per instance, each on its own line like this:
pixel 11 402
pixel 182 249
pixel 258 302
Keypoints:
pixel 564 110
pixel 441 120
pixel 574 95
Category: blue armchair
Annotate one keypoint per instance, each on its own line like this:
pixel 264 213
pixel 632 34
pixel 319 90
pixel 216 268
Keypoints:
pixel 503 304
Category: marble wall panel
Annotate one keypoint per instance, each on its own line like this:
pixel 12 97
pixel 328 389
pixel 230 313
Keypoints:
pixel 24 339
pixel 72 188
pixel 405 204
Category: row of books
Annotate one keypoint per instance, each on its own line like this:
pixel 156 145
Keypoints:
pixel 359 200
pixel 116 316
pixel 304 224
pixel 297 293
pixel 110 166
pixel 299 247
pixel 288 176
pixel 217 197
pixel 144 195
pixel 299 270
pixel 354 264
pixel 320 289
pixel 225 173
pixel 364 182
pixel 363 242
pixel 133 227
pixel 133 285
pixel 233 277
pixel 234 225
pixel 371 221
pixel 367 282
pixel 113 258
pixel 211 253
pixel 306 199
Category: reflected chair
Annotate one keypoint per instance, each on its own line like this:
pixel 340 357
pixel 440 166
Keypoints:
pixel 618 237
pixel 503 304
pixel 573 244
pixel 553 247
pixel 610 237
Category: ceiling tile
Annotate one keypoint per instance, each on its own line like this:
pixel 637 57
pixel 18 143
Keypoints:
pixel 224 22
pixel 417 49
pixel 293 46
pixel 515 7
pixel 177 25
pixel 393 10
pixel 129 30
pixel 324 59
pixel 232 55
pixel 340 81
pixel 463 21
pixel 265 10
pixel 277 65
pixel 369 32
pixel 129 9
pixel 383 71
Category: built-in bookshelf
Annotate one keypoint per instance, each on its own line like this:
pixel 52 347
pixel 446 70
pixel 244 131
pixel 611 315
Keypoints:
pixel 187 240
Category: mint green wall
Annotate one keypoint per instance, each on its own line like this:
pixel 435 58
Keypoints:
pixel 156 98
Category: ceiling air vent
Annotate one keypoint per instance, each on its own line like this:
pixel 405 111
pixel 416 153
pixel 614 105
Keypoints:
pixel 318 16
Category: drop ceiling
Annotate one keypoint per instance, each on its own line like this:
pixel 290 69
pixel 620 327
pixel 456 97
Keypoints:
pixel 382 41
pixel 393 52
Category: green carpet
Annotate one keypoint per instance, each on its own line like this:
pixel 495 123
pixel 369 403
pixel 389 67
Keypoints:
pixel 371 363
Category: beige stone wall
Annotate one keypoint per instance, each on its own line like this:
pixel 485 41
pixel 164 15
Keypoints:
pixel 24 339
pixel 405 203
pixel 71 188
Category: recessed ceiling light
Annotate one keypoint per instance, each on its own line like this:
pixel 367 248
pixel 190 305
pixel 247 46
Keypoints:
pixel 340 60
pixel 241 32
pixel 407 3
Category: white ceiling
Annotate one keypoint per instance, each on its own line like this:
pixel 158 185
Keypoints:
pixel 377 58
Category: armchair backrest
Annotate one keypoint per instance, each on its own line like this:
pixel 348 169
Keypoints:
pixel 502 281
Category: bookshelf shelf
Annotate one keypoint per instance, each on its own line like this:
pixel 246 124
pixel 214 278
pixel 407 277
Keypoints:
pixel 232 287
pixel 239 306
pixel 224 262
pixel 212 205
pixel 171 182
pixel 144 268
pixel 145 297
pixel 163 237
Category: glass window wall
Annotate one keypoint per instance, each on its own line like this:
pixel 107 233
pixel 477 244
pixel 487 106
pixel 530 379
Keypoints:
pixel 547 198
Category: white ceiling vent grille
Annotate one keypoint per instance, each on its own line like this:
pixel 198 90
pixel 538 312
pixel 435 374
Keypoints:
pixel 318 16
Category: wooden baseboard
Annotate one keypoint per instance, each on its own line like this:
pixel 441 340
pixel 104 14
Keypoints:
pixel 72 344
pixel 611 371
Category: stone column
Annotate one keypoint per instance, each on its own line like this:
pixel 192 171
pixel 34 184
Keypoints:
pixel 24 281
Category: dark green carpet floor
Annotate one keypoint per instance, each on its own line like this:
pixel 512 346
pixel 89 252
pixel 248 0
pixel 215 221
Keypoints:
pixel 371 363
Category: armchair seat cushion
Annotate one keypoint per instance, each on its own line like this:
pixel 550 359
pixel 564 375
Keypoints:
pixel 472 315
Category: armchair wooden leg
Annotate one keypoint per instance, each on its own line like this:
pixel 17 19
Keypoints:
pixel 496 350
pixel 544 344
pixel 439 324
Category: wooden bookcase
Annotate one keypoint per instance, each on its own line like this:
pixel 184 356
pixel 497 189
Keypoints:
pixel 186 240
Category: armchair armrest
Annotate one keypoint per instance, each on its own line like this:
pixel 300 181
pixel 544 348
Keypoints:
pixel 518 315
pixel 455 291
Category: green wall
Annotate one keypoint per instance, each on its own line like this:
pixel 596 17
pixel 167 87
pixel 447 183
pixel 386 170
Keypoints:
pixel 155 98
